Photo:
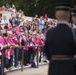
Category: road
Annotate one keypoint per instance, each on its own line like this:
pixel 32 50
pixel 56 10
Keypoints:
pixel 31 71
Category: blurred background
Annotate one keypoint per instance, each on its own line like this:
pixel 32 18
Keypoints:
pixel 32 7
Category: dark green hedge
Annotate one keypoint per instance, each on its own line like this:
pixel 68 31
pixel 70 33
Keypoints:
pixel 32 7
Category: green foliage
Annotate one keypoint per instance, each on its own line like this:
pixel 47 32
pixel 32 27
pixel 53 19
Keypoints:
pixel 32 7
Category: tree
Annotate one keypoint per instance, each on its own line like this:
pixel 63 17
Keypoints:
pixel 32 7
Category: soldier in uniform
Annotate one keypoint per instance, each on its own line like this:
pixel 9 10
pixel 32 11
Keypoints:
pixel 73 14
pixel 59 46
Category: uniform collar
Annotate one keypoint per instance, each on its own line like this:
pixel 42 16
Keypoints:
pixel 74 26
pixel 63 22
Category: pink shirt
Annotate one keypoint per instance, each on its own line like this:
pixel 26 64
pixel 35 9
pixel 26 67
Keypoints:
pixel 26 43
pixel 15 40
pixel 9 40
pixel 2 42
pixel 10 27
pixel 40 43
pixel 41 36
pixel 18 31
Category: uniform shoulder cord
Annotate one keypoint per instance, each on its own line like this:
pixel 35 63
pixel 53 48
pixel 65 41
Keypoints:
pixel 74 34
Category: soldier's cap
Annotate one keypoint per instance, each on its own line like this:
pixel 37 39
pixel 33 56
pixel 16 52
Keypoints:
pixel 63 6
pixel 73 11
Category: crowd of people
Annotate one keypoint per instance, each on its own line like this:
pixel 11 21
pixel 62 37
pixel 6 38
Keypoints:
pixel 17 31
pixel 8 8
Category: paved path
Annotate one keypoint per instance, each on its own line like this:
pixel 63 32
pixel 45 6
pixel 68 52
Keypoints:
pixel 33 71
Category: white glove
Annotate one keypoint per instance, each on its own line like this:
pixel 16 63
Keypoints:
pixel 0 53
pixel 1 46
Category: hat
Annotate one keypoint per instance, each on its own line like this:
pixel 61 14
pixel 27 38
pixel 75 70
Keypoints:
pixel 1 47
pixel 22 33
pixel 9 32
pixel 63 6
pixel 73 13
pixel 13 5
pixel 34 33
pixel 20 25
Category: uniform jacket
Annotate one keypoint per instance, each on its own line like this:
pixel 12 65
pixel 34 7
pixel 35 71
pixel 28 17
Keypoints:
pixel 59 40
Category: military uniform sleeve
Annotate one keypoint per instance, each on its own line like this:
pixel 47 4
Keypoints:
pixel 74 40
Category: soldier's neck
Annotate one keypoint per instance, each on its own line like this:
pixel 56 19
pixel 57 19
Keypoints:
pixel 64 22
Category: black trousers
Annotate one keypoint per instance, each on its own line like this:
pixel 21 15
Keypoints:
pixel 1 66
pixel 75 66
pixel 20 54
pixel 25 57
pixel 62 67
pixel 8 62
pixel 30 52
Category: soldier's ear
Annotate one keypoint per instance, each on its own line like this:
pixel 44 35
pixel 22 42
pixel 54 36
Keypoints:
pixel 70 25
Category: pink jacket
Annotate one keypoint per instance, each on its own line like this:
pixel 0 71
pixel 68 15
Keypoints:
pixel 2 42
pixel 15 40
pixel 9 40
pixel 26 44
pixel 18 31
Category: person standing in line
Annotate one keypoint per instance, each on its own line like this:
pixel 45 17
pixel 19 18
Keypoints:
pixel 59 46
pixel 2 45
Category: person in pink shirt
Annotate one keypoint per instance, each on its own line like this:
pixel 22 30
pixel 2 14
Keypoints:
pixel 11 50
pixel 24 42
pixel 45 16
pixel 17 29
pixel 41 39
pixel 32 50
pixel 15 39
pixel 40 43
pixel 34 39
pixel 41 35
pixel 10 27
pixel 3 45
pixel 2 42
pixel 20 44
pixel 6 51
